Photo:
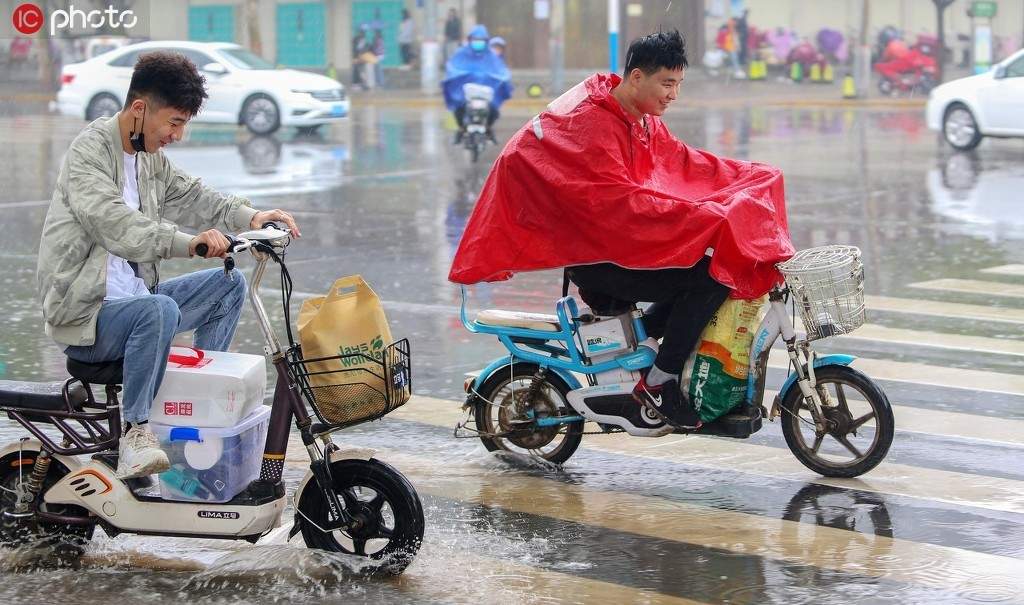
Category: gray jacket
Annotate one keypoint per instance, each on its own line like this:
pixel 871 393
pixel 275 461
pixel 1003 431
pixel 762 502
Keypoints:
pixel 88 218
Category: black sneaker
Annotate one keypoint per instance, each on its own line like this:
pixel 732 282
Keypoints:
pixel 666 401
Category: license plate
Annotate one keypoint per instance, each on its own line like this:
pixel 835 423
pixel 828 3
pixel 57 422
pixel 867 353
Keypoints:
pixel 337 110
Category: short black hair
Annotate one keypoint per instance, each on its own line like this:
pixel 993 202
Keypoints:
pixel 654 51
pixel 167 79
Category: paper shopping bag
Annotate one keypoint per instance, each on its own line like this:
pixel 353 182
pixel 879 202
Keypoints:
pixel 348 326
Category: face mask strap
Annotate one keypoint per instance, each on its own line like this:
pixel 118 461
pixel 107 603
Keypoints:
pixel 138 139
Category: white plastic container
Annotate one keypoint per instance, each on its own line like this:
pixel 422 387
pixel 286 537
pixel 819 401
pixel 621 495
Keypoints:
pixel 209 388
pixel 212 464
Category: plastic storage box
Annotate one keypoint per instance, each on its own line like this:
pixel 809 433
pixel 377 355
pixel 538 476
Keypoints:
pixel 212 464
pixel 209 388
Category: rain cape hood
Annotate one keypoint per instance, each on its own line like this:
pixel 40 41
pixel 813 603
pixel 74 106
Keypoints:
pixel 582 183
pixel 469 66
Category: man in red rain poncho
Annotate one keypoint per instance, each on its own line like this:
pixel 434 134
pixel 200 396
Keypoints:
pixel 598 184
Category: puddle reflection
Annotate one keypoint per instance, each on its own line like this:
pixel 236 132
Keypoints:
pixel 975 200
pixel 261 164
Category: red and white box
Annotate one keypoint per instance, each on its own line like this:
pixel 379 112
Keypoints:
pixel 209 388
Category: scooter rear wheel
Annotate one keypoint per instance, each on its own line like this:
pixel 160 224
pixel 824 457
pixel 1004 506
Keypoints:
pixel 859 419
pixel 385 503
pixel 496 415
pixel 62 544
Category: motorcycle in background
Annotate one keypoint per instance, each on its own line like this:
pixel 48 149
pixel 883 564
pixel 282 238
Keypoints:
pixel 477 131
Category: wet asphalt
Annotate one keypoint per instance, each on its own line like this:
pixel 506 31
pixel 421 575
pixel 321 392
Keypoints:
pixel 678 519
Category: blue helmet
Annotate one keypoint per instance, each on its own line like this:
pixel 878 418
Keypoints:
pixel 497 41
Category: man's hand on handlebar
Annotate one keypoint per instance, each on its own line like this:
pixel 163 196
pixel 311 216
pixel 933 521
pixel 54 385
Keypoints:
pixel 216 244
pixel 266 216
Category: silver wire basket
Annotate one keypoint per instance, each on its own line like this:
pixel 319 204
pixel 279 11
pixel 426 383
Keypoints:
pixel 827 284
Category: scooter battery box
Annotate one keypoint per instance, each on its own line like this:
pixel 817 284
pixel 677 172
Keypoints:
pixel 607 337
pixel 209 388
pixel 212 464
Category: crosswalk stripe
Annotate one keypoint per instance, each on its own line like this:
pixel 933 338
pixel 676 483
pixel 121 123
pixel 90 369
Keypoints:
pixel 960 342
pixel 880 369
pixel 923 374
pixel 513 582
pixel 963 572
pixel 31 204
pixel 935 308
pixel 973 286
pixel 991 493
pixel 950 424
pixel 1006 270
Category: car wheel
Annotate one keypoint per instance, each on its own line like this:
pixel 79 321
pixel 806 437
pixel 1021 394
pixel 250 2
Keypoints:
pixel 261 115
pixel 102 105
pixel 959 128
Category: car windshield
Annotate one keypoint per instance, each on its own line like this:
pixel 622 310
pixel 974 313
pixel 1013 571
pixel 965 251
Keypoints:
pixel 243 59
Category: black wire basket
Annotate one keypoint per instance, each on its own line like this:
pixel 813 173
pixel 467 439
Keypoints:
pixel 345 390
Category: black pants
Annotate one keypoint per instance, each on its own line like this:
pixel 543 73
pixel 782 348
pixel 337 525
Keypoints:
pixel 684 302
pixel 460 116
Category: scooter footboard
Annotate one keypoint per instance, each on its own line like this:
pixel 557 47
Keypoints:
pixel 93 487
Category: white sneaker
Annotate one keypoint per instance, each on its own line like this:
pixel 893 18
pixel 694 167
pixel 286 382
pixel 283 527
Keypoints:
pixel 140 455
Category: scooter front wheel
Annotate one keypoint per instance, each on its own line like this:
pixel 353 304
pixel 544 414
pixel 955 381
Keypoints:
pixel 506 415
pixel 386 507
pixel 859 424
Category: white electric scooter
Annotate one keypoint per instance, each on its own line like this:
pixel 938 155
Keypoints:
pixel 348 501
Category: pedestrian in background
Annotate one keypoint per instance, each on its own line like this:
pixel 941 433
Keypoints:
pixel 378 51
pixel 452 34
pixel 358 44
pixel 742 37
pixel 406 38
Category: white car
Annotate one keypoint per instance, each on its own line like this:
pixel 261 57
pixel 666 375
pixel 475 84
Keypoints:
pixel 243 88
pixel 986 105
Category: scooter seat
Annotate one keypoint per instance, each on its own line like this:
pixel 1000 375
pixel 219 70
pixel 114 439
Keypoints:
pixel 105 372
pixel 519 319
pixel 40 396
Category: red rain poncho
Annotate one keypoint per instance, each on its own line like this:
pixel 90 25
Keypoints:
pixel 582 184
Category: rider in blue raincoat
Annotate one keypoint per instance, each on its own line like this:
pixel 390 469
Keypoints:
pixel 475 63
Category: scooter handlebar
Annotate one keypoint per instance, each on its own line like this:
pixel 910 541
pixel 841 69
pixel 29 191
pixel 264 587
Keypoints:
pixel 202 249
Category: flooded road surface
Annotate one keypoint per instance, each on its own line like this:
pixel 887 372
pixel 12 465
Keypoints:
pixel 626 520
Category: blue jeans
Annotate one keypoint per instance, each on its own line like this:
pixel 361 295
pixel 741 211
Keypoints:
pixel 139 329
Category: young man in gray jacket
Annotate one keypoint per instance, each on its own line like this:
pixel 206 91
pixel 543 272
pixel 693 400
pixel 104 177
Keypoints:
pixel 118 209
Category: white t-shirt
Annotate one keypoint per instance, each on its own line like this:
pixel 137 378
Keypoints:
pixel 121 280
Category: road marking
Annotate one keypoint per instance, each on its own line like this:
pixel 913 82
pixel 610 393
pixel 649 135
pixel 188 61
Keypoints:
pixel 991 493
pixel 935 308
pixel 949 424
pixel 972 286
pixel 879 369
pixel 962 571
pixel 1017 270
pixel 508 581
pixel 25 204
pixel 922 374
pixel 960 342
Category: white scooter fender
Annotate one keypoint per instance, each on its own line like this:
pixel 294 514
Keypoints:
pixel 94 487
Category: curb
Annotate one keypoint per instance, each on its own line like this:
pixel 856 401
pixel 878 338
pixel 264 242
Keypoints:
pixel 29 97
pixel 540 104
